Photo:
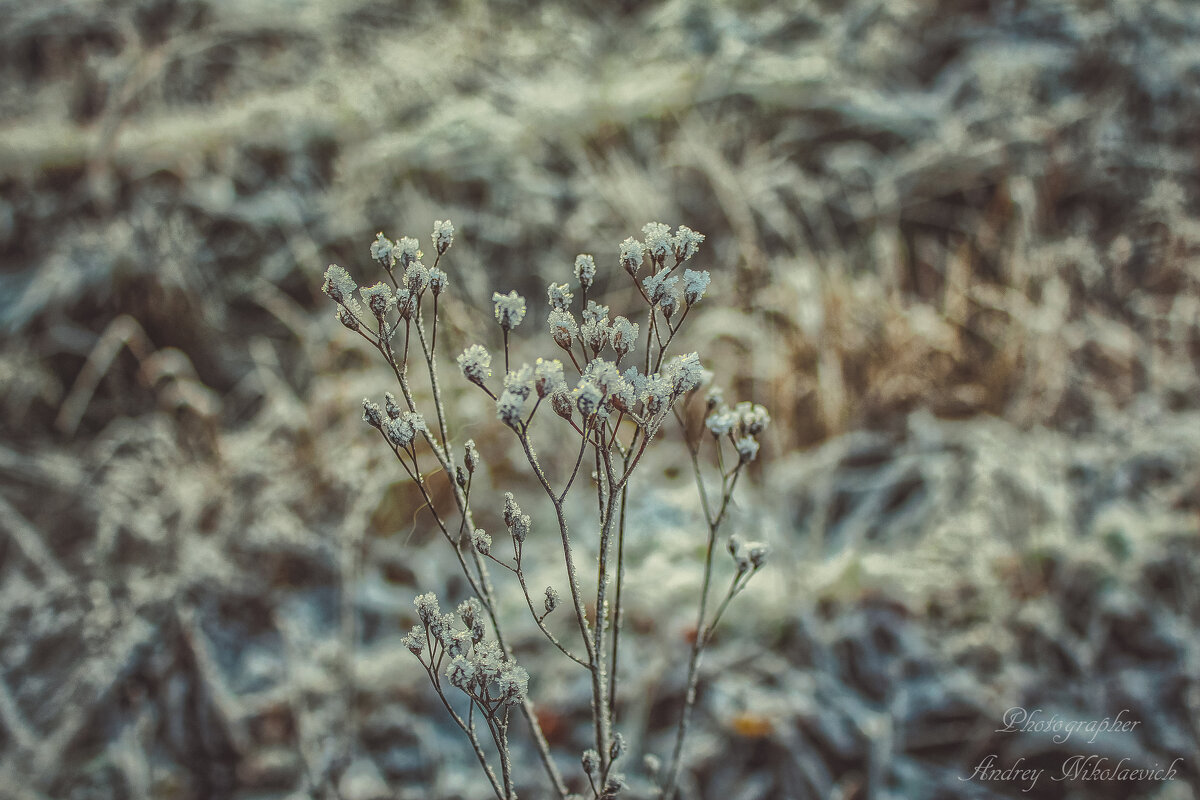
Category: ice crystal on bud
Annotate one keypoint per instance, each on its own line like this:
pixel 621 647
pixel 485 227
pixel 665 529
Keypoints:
pixel 548 377
pixel 684 372
pixel 481 541
pixel 378 298
pixel 391 406
pixel 381 250
pixel 415 640
pixel 471 456
pixel 590 760
pixel 551 599
pixel 721 422
pixel 443 235
pixel 585 270
pixel 407 251
pixel 509 407
pixel 559 295
pixel 669 304
pixel 437 281
pixel 427 608
pixel 416 277
pixel 520 381
pixel 632 253
pixel 587 397
pixel 461 673
pixel 371 413
pixel 513 683
pixel 399 432
pixel 338 286
pixel 595 334
pixel 695 284
pixel 658 241
pixel 686 242
pixel 758 552
pixel 560 401
pixel 563 328
pixel 747 448
pixel 660 285
pixel 624 336
pixel 520 527
pixel 752 417
pixel 509 308
pixel 476 364
pixel 594 312
pixel 512 511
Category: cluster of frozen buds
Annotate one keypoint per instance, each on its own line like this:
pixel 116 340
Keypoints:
pixel 410 278
pixel 742 424
pixel 477 667
pixel 398 426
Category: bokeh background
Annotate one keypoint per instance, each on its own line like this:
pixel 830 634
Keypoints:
pixel 955 248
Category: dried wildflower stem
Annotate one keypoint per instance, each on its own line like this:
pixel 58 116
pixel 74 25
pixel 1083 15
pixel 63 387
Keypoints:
pixel 702 635
pixel 603 399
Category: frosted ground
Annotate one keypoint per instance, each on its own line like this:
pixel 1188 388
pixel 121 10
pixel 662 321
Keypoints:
pixel 954 249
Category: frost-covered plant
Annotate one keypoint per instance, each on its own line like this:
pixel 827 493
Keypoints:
pixel 608 412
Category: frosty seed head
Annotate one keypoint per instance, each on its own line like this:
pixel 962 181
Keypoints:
pixel 437 281
pixel 659 285
pixel 747 449
pixel 391 406
pixel 714 398
pixel 476 364
pixel 512 511
pixel 406 303
pixel 427 608
pixel 481 541
pixel 399 432
pixel 684 372
pixel 381 251
pixel 460 477
pixel 548 377
pixel 594 312
pixel 372 415
pixel 669 304
pixel 632 254
pixel 416 278
pixel 406 251
pixel 721 422
pixel 551 599
pixel 624 336
pixel 338 285
pixel 686 242
pixel 461 673
pixel 378 298
pixel 563 328
pixel 587 397
pixel 520 528
pixel 585 270
pixel 559 296
pixel 509 407
pixel 590 761
pixel 443 235
pixel 737 551
pixel 513 683
pixel 658 241
pixel 509 309
pixel 562 404
pixel 695 284
pixel 458 643
pixel 415 641
pixel 520 381
pixel 758 553
pixel 752 418
pixel 471 456
pixel 595 334
pixel 617 748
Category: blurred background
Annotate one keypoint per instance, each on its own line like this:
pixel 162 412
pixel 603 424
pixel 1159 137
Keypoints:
pixel 955 248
